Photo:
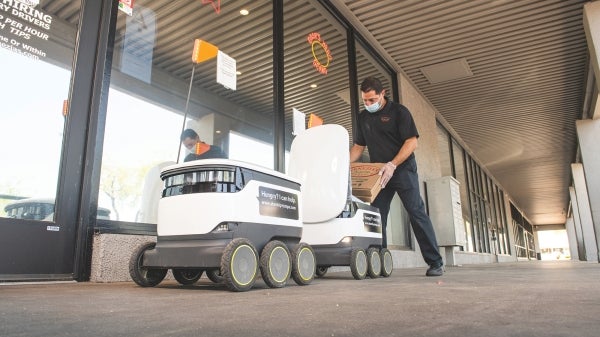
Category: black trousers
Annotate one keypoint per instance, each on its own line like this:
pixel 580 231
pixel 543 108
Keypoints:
pixel 405 182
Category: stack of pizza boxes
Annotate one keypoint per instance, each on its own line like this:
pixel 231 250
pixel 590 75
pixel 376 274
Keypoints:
pixel 366 181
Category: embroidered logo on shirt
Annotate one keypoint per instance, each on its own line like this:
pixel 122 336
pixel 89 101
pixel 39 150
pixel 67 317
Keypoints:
pixel 385 119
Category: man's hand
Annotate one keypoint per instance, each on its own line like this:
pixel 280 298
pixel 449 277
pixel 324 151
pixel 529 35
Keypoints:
pixel 386 173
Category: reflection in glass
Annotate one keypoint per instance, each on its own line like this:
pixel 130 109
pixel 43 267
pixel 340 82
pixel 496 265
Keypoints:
pixel 150 80
pixel 36 52
pixel 315 65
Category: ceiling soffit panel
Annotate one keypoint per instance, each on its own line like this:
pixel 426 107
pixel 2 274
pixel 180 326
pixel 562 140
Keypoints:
pixel 517 112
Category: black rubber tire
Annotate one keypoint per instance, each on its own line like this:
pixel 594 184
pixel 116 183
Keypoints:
pixel 214 275
pixel 321 271
pixel 142 276
pixel 358 263
pixel 304 264
pixel 373 262
pixel 239 265
pixel 387 262
pixel 275 264
pixel 187 276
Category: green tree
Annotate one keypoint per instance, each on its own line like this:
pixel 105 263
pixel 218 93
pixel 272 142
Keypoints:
pixel 123 185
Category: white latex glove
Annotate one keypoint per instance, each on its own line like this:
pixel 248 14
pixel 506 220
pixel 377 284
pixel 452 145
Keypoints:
pixel 386 173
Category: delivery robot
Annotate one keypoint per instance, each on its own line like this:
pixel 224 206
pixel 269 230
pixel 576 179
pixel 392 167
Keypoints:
pixel 231 219
pixel 342 230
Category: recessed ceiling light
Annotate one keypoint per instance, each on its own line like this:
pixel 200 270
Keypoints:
pixel 244 12
pixel 238 72
pixel 218 131
pixel 313 86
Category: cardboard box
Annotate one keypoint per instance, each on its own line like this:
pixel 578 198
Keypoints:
pixel 366 181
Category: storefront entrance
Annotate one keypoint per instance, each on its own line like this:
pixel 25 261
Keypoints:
pixel 40 183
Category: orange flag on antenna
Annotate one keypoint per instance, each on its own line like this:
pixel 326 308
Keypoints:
pixel 203 51
pixel 314 120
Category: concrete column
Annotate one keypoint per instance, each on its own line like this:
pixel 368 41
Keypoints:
pixel 591 25
pixel 570 227
pixel 536 243
pixel 588 134
pixel 577 224
pixel 511 229
pixel 585 213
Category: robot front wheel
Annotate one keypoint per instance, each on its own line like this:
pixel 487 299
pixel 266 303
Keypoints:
pixel 144 276
pixel 358 263
pixel 303 264
pixel 387 263
pixel 239 265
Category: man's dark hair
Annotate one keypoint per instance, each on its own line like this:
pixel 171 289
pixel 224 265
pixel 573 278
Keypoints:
pixel 188 133
pixel 371 83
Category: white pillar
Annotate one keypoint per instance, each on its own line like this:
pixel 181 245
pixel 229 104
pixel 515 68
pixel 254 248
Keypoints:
pixel 572 237
pixel 591 25
pixel 585 213
pixel 588 134
pixel 577 224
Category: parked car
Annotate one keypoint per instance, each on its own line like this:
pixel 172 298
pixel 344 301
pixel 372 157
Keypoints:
pixel 40 209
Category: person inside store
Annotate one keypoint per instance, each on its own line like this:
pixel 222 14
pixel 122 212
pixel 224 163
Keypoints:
pixel 199 149
pixel 388 131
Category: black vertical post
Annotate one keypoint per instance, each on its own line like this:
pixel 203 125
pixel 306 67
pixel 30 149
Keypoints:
pixel 278 88
pixel 80 164
pixel 353 72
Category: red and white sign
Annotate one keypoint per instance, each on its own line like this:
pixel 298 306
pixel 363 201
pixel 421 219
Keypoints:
pixel 126 6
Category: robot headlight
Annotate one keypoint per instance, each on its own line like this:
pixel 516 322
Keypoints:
pixel 222 227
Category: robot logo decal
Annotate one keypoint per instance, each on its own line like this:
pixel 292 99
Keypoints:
pixel 372 223
pixel 276 203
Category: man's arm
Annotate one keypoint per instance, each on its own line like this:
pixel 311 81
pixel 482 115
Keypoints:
pixel 387 171
pixel 355 152
pixel 409 146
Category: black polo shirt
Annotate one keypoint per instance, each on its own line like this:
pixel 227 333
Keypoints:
pixel 384 131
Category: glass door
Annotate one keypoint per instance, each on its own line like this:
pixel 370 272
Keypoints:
pixel 37 42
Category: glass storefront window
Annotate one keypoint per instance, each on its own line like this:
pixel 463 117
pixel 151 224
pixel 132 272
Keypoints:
pixel 316 79
pixel 461 176
pixel 444 151
pixel 367 66
pixel 37 40
pixel 230 94
pixel 398 229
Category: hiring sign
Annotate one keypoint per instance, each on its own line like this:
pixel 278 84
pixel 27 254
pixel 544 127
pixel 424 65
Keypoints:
pixel 24 29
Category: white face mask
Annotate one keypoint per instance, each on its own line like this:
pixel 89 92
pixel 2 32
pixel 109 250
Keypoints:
pixel 373 107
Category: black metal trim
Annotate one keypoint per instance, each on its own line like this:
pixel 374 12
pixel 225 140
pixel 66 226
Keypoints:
pixel 278 88
pixel 80 171
pixel 7 278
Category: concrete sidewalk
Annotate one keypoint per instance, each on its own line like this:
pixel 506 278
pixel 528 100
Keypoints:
pixel 517 299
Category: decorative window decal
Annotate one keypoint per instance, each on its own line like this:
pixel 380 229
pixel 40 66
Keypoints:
pixel 320 52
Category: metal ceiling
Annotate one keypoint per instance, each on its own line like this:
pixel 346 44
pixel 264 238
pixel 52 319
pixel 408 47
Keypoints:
pixel 517 112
